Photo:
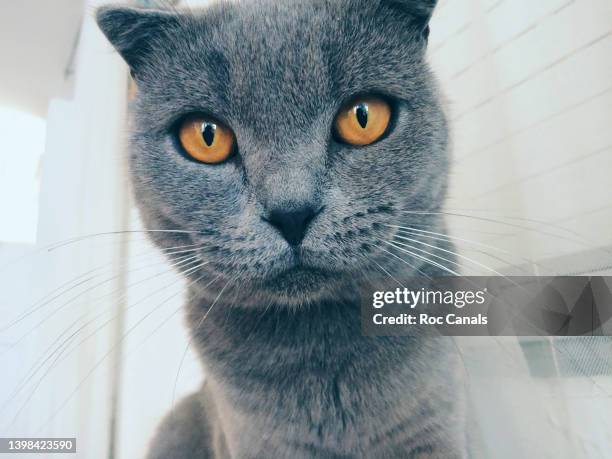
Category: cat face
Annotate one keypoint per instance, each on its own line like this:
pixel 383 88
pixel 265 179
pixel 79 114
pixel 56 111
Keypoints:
pixel 293 207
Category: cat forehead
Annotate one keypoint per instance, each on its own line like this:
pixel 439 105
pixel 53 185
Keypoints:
pixel 267 35
pixel 275 67
pixel 279 45
pixel 293 51
pixel 270 40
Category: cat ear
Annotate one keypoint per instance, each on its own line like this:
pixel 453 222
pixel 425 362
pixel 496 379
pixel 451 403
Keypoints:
pixel 419 11
pixel 132 31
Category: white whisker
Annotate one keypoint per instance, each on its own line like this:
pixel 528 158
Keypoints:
pixel 44 357
pixel 416 268
pixel 100 361
pixel 426 260
pixel 191 340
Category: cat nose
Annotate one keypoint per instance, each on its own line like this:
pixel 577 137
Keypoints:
pixel 293 223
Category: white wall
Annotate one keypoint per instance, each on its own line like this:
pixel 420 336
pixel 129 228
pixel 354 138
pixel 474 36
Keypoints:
pixel 82 190
pixel 33 74
pixel 159 366
pixel 529 86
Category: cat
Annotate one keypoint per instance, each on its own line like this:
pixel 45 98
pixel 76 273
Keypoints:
pixel 284 140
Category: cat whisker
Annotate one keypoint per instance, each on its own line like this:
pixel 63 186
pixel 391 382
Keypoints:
pixel 64 289
pixel 57 245
pixel 509 279
pixel 511 310
pixel 186 258
pixel 522 219
pixel 42 360
pixel 581 240
pixel 499 234
pixel 156 329
pixel 470 260
pixel 414 267
pixel 447 238
pixel 102 326
pixel 385 271
pixel 64 346
pixel 463 257
pixel 112 349
pixel 195 331
pixel 425 259
pixel 72 240
pixel 428 253
pixel 513 313
pixel 455 263
pixel 46 300
pixel 411 228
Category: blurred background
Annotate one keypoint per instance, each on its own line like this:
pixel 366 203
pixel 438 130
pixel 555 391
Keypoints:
pixel 91 337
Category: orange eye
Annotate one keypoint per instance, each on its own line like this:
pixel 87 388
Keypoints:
pixel 363 121
pixel 206 140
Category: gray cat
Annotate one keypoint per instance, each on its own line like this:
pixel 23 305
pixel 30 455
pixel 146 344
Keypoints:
pixel 283 139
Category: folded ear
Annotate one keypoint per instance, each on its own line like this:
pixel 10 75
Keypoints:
pixel 419 11
pixel 133 31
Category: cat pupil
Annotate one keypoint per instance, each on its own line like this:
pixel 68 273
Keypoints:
pixel 362 115
pixel 208 133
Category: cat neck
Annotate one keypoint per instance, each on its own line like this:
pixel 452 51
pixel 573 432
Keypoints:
pixel 274 345
pixel 312 373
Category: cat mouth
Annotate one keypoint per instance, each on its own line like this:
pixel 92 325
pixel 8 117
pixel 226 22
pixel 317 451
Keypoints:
pixel 298 283
pixel 300 273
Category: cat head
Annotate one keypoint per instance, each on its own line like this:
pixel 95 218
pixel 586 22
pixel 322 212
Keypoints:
pixel 284 140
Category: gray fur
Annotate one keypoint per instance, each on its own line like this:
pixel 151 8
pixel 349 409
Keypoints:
pixel 288 372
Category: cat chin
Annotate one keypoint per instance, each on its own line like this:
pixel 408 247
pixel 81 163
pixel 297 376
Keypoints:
pixel 293 288
pixel 299 286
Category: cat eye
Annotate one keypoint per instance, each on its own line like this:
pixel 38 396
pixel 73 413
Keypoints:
pixel 206 140
pixel 363 121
